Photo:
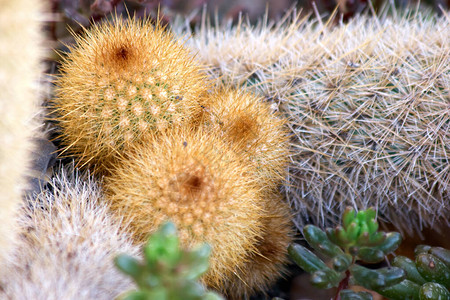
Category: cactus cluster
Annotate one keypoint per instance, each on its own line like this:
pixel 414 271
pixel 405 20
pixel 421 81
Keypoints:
pixel 358 240
pixel 367 107
pixel 167 272
pixel 134 105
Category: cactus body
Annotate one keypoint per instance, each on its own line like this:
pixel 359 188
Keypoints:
pixel 264 266
pixel 123 80
pixel 200 184
pixel 249 124
pixel 67 245
pixel 21 42
pixel 367 104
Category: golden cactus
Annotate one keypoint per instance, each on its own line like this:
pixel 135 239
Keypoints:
pixel 254 130
pixel 123 79
pixel 265 265
pixel 200 184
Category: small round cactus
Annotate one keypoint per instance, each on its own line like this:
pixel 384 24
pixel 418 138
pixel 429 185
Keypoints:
pixel 255 131
pixel 122 80
pixel 199 183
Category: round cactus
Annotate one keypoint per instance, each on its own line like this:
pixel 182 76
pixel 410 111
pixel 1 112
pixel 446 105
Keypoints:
pixel 122 80
pixel 198 182
pixel 264 266
pixel 242 119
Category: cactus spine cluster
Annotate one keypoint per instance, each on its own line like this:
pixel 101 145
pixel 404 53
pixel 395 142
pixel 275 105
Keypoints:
pixel 248 123
pixel 124 79
pixel 21 52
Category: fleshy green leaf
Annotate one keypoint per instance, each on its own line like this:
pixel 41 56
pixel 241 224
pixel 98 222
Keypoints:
pixel 305 259
pixel 128 265
pixel 351 295
pixel 433 291
pixel 433 269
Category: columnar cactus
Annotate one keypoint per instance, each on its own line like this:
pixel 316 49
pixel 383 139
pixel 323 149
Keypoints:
pixel 21 51
pixel 124 79
pixel 367 104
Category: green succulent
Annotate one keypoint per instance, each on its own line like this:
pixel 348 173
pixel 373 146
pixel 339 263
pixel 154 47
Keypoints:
pixel 358 239
pixel 167 272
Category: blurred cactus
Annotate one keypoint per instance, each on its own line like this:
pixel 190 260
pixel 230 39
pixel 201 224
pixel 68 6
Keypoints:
pixel 21 54
pixel 167 272
pixel 358 239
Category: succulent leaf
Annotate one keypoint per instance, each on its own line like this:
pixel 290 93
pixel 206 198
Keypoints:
pixel 129 265
pixel 405 290
pixel 163 245
pixel 442 254
pixel 433 291
pixel 376 279
pixel 198 262
pixel 342 262
pixel 370 255
pixel 348 217
pixel 320 242
pixel 410 269
pixel 433 269
pixel 392 241
pixel 421 249
pixel 307 260
pixel 376 238
pixel 352 295
pixel 326 278
pixel 353 231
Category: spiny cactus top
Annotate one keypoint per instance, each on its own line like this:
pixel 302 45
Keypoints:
pixel 201 185
pixel 122 80
pixel 244 120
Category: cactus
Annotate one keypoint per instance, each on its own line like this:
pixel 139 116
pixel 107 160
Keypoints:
pixel 167 272
pixel 367 107
pixel 198 182
pixel 124 79
pixel 21 52
pixel 244 120
pixel 358 239
pixel 67 244
pixel 264 267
